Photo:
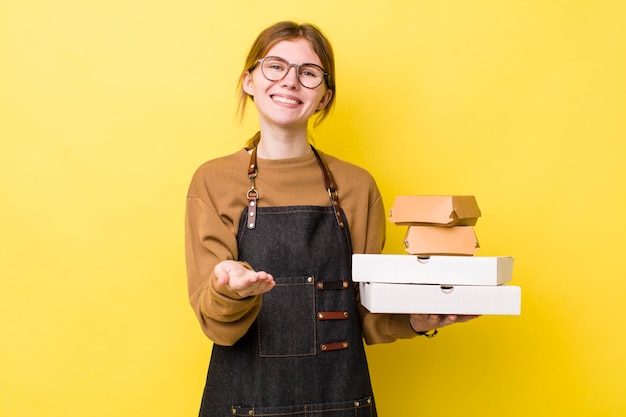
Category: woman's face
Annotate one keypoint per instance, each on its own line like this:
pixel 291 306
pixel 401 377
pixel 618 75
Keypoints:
pixel 286 103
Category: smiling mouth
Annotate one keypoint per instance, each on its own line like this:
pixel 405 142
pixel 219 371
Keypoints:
pixel 285 100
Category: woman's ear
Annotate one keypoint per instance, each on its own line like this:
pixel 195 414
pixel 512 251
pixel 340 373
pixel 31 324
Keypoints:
pixel 247 84
pixel 325 100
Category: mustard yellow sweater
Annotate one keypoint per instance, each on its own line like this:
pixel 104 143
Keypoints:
pixel 215 201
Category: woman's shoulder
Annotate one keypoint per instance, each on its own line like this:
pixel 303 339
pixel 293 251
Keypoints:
pixel 233 160
pixel 343 168
pixel 219 172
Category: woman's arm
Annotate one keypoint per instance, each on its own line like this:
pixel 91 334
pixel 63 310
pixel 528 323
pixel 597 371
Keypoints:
pixel 224 314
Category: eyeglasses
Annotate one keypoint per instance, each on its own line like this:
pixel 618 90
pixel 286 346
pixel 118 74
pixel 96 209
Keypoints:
pixel 275 68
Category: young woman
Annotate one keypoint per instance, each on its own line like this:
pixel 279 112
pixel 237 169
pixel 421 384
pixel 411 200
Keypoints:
pixel 270 231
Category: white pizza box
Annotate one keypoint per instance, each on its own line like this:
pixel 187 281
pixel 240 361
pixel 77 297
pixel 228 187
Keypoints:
pixel 380 297
pixel 449 270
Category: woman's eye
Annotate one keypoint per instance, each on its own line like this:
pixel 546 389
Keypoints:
pixel 310 72
pixel 274 64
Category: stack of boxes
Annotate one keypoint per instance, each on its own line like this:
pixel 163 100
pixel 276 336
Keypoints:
pixel 439 275
pixel 437 225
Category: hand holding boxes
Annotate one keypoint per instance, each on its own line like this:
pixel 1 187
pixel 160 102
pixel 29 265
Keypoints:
pixel 430 280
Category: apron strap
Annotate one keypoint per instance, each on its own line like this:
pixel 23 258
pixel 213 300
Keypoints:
pixel 252 195
pixel 329 183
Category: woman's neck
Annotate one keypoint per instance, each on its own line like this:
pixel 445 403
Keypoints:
pixel 283 145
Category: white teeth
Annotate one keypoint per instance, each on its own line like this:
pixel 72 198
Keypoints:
pixel 285 100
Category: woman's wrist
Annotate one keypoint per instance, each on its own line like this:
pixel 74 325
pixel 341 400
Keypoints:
pixel 427 333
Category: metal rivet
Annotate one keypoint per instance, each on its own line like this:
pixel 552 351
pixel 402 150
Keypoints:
pixel 251 214
pixel 344 344
pixel 369 400
pixel 309 279
pixel 250 412
pixel 324 347
pixel 356 403
pixel 345 284
pixel 252 203
pixel 345 314
pixel 251 225
pixel 320 315
pixel 320 285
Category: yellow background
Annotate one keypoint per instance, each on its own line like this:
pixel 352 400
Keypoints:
pixel 108 107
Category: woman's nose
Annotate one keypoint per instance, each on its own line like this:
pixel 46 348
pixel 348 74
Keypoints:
pixel 291 78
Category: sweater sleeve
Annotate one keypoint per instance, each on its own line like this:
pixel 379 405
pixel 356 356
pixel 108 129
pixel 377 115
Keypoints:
pixel 224 317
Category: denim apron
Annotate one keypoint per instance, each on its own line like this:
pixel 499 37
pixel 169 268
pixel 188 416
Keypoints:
pixel 304 354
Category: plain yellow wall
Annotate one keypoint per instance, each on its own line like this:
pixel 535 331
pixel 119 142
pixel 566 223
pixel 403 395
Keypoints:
pixel 108 107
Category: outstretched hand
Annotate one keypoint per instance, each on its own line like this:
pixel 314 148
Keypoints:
pixel 426 322
pixel 242 281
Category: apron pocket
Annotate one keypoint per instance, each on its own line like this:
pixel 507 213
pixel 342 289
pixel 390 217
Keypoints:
pixel 286 322
pixel 357 408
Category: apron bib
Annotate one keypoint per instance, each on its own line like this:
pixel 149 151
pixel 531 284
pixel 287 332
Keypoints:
pixel 304 354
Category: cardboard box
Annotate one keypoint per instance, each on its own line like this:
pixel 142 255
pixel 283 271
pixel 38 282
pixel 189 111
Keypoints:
pixel 435 210
pixel 437 240
pixel 435 299
pixel 450 270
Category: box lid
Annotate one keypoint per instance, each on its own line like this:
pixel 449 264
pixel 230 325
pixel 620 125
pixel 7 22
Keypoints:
pixel 437 240
pixel 450 270
pixel 435 210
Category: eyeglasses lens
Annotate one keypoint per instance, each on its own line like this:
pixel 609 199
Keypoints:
pixel 275 69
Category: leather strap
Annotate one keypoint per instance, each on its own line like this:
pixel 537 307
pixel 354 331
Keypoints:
pixel 332 315
pixel 252 194
pixel 329 183
pixel 327 347
pixel 332 285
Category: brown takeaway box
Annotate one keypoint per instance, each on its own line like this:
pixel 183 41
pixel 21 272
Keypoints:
pixel 435 210
pixel 437 240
